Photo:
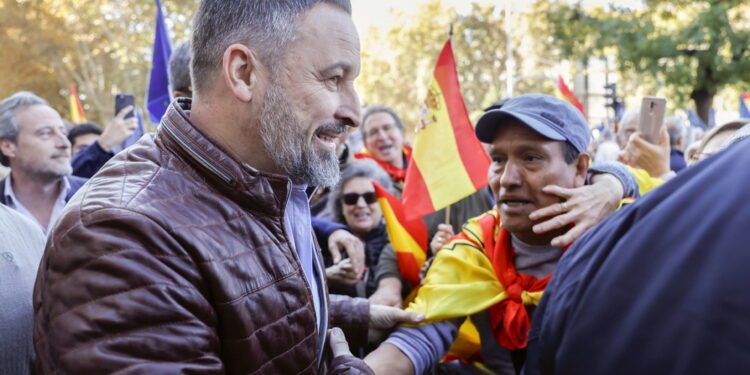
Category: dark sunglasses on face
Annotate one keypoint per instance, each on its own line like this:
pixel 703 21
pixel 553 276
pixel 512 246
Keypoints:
pixel 352 198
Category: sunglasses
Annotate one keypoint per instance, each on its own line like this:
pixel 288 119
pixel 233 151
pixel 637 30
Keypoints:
pixel 352 198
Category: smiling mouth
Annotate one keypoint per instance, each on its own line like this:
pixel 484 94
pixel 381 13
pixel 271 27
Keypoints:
pixel 361 215
pixel 385 148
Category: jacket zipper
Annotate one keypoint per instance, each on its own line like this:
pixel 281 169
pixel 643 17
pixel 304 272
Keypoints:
pixel 201 159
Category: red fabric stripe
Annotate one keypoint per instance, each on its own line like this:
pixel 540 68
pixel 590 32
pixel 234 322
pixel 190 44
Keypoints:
pixel 416 228
pixel 569 95
pixel 408 267
pixel 417 198
pixel 474 159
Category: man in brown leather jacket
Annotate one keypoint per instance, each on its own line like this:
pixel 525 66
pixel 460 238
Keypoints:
pixel 191 251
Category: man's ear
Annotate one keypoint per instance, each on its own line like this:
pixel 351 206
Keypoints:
pixel 8 148
pixel 240 71
pixel 582 167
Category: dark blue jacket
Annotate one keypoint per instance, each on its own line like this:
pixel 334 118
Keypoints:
pixel 677 160
pixel 87 162
pixel 661 287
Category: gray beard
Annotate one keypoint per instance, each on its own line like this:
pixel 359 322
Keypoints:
pixel 283 136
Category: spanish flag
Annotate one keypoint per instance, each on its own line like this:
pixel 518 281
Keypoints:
pixel 448 162
pixel 565 93
pixel 77 116
pixel 408 238
pixel 744 112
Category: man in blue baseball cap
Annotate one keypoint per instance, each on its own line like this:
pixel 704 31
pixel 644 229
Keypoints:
pixel 496 270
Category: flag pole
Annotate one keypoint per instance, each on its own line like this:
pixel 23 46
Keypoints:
pixel 448 208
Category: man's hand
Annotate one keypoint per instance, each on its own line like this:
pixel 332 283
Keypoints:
pixel 343 362
pixel 118 130
pixel 342 272
pixel 339 345
pixel 640 153
pixel 383 318
pixel 388 293
pixel 444 233
pixel 343 240
pixel 583 207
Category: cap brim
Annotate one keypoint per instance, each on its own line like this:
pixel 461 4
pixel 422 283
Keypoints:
pixel 490 122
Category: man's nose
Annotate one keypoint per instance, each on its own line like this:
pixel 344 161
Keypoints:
pixel 349 111
pixel 61 140
pixel 511 176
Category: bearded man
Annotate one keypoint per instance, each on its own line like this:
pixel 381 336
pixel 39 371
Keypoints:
pixel 192 251
pixel 34 144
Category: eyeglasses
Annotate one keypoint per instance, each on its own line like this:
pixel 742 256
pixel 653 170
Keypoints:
pixel 352 198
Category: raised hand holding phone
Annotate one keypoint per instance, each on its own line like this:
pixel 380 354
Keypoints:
pixel 652 117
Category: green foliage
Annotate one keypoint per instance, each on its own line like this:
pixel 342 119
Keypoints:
pixel 694 48
pixel 104 46
pixel 397 62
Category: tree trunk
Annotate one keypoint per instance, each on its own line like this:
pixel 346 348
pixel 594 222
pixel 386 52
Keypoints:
pixel 704 100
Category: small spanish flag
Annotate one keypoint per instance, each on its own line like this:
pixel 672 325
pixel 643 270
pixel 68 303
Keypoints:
pixel 408 238
pixel 448 162
pixel 77 116
pixel 744 112
pixel 565 93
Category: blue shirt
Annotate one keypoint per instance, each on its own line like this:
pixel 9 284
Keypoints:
pixel 299 228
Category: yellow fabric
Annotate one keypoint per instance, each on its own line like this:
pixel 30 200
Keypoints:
pixel 467 342
pixel 461 280
pixel 645 182
pixel 436 153
pixel 400 238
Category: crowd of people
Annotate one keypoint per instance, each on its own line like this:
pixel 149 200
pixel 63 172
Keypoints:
pixel 245 234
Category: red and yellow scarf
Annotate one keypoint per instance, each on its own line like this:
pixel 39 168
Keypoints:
pixel 475 272
pixel 396 173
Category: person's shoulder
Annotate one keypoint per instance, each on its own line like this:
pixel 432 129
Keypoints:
pixel 14 225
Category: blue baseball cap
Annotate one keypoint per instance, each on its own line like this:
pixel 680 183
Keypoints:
pixel 547 115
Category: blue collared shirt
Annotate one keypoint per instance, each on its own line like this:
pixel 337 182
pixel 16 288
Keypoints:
pixel 14 203
pixel 298 225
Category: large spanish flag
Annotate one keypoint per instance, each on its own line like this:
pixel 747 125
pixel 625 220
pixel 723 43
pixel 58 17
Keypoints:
pixel 565 93
pixel 77 116
pixel 408 237
pixel 448 162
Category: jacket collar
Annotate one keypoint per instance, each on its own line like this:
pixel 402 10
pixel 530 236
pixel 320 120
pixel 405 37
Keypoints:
pixel 239 181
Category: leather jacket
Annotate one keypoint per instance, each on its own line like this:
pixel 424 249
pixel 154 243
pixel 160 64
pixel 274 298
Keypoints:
pixel 174 258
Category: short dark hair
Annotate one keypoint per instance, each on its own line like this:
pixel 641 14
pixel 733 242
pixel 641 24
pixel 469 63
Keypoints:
pixel 179 69
pixel 379 109
pixel 570 153
pixel 83 129
pixel 267 25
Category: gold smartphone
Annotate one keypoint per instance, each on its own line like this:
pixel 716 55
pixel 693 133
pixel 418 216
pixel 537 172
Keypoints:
pixel 652 117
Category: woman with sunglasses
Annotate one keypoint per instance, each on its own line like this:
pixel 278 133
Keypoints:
pixel 353 203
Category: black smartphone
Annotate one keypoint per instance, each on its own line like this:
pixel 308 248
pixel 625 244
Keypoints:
pixel 122 101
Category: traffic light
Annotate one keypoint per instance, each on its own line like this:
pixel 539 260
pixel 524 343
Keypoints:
pixel 611 95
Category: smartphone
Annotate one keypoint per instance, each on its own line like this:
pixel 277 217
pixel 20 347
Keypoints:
pixel 122 101
pixel 652 117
